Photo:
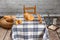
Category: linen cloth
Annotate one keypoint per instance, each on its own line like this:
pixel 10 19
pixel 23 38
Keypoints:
pixel 30 30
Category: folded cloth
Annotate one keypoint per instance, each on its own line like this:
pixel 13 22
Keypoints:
pixel 29 30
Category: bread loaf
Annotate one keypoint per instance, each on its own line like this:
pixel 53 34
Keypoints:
pixel 18 22
pixel 7 21
pixel 39 18
pixel 28 17
pixel 5 24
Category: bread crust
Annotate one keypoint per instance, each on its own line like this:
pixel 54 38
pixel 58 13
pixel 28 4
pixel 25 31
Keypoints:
pixel 18 22
pixel 28 17
pixel 5 24
pixel 7 21
pixel 39 18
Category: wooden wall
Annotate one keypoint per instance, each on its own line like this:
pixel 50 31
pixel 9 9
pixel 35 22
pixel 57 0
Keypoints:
pixel 13 7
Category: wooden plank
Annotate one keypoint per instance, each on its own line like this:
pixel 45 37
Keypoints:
pixel 53 35
pixel 8 35
pixel 2 33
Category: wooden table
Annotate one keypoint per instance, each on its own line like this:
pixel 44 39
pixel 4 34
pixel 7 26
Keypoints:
pixel 5 34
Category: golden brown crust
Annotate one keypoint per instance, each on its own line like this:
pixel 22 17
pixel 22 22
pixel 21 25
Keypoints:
pixel 5 24
pixel 18 22
pixel 7 21
pixel 9 18
pixel 28 17
pixel 39 18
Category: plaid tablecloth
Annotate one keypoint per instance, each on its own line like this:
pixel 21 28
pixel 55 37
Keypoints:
pixel 29 30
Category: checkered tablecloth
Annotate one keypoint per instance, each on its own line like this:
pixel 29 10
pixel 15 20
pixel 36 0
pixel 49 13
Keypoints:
pixel 29 30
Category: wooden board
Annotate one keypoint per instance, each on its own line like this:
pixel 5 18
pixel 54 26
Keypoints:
pixel 8 37
pixel 4 34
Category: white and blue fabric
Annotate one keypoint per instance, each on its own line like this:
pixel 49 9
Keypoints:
pixel 29 30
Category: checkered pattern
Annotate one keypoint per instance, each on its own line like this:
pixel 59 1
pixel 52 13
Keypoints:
pixel 29 30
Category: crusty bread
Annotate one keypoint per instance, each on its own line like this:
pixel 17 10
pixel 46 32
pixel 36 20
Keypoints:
pixel 18 21
pixel 7 21
pixel 5 24
pixel 28 17
pixel 9 18
pixel 39 18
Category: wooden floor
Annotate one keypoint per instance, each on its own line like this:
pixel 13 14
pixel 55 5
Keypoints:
pixel 5 35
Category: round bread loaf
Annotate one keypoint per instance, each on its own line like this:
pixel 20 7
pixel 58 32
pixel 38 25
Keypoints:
pixel 5 24
pixel 28 17
pixel 7 21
